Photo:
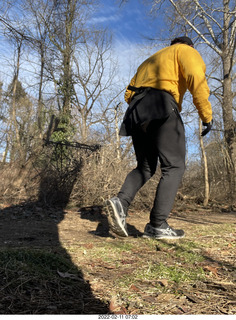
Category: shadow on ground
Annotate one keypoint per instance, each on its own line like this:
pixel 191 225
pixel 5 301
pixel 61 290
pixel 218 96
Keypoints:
pixel 37 275
pixel 96 213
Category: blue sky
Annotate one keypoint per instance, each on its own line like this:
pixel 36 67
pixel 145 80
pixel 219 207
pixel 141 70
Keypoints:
pixel 127 21
pixel 130 24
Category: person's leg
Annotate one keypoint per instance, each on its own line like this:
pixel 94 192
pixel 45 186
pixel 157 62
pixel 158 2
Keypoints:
pixel 169 139
pixel 146 156
pixel 117 207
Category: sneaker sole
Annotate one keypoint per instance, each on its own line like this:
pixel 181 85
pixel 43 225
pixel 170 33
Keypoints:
pixel 147 236
pixel 114 220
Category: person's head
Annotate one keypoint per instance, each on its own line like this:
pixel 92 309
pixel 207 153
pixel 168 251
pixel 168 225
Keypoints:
pixel 185 40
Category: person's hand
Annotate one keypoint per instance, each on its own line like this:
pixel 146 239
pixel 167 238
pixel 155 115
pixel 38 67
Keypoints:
pixel 208 126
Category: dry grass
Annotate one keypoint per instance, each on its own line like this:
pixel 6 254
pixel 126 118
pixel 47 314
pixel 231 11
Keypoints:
pixel 43 282
pixel 57 262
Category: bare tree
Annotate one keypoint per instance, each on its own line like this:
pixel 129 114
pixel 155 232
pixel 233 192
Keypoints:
pixel 35 13
pixel 205 166
pixel 94 74
pixel 14 129
pixel 215 25
pixel 60 27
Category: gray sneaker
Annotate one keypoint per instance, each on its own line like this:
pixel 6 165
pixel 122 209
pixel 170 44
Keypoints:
pixel 162 232
pixel 116 216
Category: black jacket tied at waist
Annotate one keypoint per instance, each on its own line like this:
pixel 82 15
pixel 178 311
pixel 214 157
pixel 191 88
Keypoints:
pixel 147 104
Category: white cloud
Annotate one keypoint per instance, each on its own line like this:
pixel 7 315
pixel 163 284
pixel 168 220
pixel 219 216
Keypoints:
pixel 130 55
pixel 104 19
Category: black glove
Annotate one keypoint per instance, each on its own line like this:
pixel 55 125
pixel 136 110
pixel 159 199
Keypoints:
pixel 208 126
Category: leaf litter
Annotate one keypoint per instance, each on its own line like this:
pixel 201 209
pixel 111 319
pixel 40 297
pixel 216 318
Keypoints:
pixel 108 274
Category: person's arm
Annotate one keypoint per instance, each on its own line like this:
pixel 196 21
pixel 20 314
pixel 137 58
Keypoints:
pixel 193 70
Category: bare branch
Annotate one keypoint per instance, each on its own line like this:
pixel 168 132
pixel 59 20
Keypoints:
pixel 194 28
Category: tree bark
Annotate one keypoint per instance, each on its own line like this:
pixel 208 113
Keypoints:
pixel 205 166
pixel 227 105
pixel 217 31
pixel 16 144
pixel 118 153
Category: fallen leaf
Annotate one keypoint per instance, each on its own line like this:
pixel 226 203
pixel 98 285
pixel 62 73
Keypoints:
pixel 163 282
pixel 165 297
pixel 107 266
pixel 127 261
pixel 68 275
pixel 191 298
pixel 115 308
pixel 123 310
pixel 88 246
pixel 149 299
pixel 134 288
pixel 183 309
pixel 212 269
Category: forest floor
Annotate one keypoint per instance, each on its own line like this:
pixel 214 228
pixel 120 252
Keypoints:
pixel 55 261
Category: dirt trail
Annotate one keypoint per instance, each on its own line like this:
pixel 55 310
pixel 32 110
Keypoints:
pixel 85 236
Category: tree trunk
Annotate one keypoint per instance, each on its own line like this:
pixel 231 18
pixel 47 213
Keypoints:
pixel 83 126
pixel 204 159
pixel 40 103
pixel 16 150
pixel 227 105
pixel 229 129
pixel 118 153
pixel 67 57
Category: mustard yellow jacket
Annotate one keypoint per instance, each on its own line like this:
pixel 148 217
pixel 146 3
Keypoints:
pixel 175 69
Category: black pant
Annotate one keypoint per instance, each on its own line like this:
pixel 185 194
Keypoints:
pixel 164 140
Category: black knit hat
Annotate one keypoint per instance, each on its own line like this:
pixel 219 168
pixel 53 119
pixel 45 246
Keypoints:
pixel 186 40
